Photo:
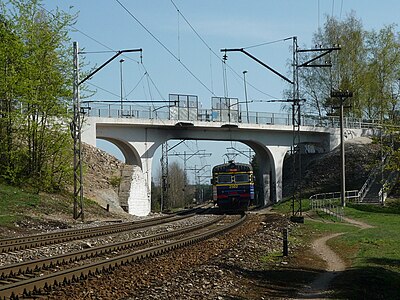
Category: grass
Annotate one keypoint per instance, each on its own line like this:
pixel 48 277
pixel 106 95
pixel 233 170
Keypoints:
pixel 373 254
pixel 272 257
pixel 14 201
pixel 17 204
pixel 286 206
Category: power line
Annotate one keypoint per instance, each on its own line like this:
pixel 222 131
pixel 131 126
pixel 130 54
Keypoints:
pixel 267 43
pixel 151 79
pixel 107 47
pixel 213 52
pixel 103 89
pixel 137 84
pixel 91 38
pixel 165 47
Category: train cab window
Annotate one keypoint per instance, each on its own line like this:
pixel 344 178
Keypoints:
pixel 241 178
pixel 224 178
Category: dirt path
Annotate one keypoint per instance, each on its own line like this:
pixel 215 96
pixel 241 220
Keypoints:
pixel 360 224
pixel 319 287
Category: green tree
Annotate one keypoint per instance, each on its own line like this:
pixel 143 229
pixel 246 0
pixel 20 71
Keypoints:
pixel 383 73
pixel 11 48
pixel 368 64
pixel 38 109
pixel 348 65
pixel 176 185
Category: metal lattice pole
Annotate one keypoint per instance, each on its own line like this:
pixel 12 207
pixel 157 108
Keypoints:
pixel 76 134
pixel 164 176
pixel 76 126
pixel 296 121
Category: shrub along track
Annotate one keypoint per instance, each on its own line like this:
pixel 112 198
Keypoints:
pixel 18 281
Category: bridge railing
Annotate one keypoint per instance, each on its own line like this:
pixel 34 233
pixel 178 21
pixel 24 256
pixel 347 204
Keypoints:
pixel 208 115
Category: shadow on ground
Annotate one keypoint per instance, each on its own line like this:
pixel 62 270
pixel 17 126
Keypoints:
pixel 286 282
pixel 282 282
pixel 369 282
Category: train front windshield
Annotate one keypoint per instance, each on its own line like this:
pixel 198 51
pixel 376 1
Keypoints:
pixel 242 178
pixel 224 178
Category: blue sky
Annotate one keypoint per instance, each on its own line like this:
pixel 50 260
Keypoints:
pixel 105 25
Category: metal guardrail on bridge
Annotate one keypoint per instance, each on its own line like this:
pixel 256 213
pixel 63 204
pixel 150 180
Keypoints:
pixel 210 115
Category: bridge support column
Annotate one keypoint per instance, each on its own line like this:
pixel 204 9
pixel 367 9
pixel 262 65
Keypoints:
pixel 89 133
pixel 139 201
pixel 270 163
pixel 277 154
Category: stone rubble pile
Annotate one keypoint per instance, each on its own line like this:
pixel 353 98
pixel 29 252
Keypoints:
pixel 102 177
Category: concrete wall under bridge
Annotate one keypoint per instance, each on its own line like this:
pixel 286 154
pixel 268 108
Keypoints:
pixel 138 139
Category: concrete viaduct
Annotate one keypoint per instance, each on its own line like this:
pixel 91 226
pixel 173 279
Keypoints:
pixel 271 138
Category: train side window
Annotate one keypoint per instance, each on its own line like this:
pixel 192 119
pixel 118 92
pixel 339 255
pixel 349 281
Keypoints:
pixel 224 178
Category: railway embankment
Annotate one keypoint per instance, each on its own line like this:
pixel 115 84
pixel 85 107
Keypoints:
pixel 320 172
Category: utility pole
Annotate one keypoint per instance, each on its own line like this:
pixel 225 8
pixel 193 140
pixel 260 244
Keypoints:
pixel 245 96
pixel 198 176
pixel 296 116
pixel 186 156
pixel 295 101
pixel 76 135
pixel 164 175
pixel 120 73
pixel 76 127
pixel 342 96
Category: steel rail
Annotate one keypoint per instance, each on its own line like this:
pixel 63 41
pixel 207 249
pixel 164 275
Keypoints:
pixel 29 267
pixel 36 285
pixel 69 235
pixel 37 237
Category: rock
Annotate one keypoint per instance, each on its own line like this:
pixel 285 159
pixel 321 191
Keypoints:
pixel 102 177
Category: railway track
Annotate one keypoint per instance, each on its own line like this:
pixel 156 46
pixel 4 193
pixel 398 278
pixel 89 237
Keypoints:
pixel 27 242
pixel 29 278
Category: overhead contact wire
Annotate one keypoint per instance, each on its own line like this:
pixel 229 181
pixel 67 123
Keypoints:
pixel 215 54
pixel 165 47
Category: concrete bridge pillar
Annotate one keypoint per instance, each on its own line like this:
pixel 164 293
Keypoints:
pixel 137 154
pixel 277 156
pixel 270 163
pixel 141 157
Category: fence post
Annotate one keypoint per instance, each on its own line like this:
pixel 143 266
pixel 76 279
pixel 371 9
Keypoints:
pixel 285 242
